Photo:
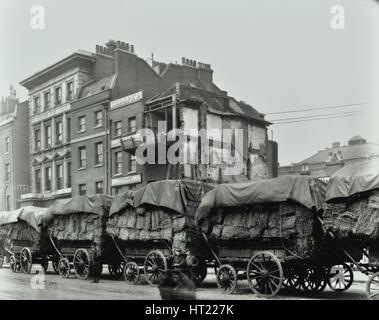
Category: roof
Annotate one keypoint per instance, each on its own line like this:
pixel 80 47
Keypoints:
pixel 35 78
pixel 354 178
pixel 347 152
pixel 217 103
pixel 94 87
pixel 357 138
pixel 307 191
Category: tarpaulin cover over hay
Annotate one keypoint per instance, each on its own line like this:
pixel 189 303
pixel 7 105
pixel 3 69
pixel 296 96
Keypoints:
pixel 22 225
pixel 352 202
pixel 80 218
pixel 162 210
pixel 282 209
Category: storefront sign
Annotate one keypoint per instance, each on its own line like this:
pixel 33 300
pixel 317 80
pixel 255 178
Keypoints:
pixel 127 100
pixel 132 179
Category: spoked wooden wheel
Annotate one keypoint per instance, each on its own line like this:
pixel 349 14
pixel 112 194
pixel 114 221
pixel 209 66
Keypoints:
pixel 131 273
pixel 372 288
pixel 265 274
pixel 155 268
pixel 227 278
pixel 14 265
pixel 200 272
pixel 26 260
pixel 64 268
pixel 313 280
pixel 82 264
pixel 292 279
pixel 340 277
pixel 116 269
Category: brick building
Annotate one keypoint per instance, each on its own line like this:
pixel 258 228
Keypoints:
pixel 86 110
pixel 326 162
pixel 14 162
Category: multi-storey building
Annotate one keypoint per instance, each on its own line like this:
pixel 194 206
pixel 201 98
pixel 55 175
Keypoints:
pixel 326 162
pixel 14 153
pixel 51 92
pixel 100 100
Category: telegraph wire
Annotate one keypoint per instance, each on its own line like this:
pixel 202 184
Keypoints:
pixel 323 118
pixel 317 115
pixel 319 108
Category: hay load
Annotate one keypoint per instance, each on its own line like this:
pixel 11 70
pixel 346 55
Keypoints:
pixel 21 226
pixel 162 210
pixel 352 202
pixel 268 211
pixel 81 219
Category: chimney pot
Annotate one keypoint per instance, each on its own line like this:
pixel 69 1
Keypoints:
pixel 336 144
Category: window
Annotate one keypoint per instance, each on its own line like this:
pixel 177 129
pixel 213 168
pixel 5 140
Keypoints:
pixel 8 202
pixel 116 190
pixel 132 163
pixel 37 104
pixel 37 139
pixel 47 100
pixel 99 187
pixel 59 132
pixel 82 123
pixel 82 157
pixel 59 176
pixel 7 172
pixel 47 136
pixel 37 179
pixel 82 189
pixel 98 119
pixel 132 124
pixel 70 91
pixel 58 95
pixel 117 128
pixel 69 174
pixel 118 162
pixel 68 129
pixel 99 153
pixel 7 144
pixel 48 179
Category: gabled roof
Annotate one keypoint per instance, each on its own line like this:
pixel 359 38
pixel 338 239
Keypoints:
pixel 217 103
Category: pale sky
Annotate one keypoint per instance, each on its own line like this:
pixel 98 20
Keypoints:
pixel 276 55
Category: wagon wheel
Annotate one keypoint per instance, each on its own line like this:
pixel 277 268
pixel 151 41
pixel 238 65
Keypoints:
pixel 313 280
pixel 131 273
pixel 265 274
pixel 226 278
pixel 340 277
pixel 200 272
pixel 64 268
pixel 116 269
pixel 155 268
pixel 14 264
pixel 372 288
pixel 26 260
pixel 82 264
pixel 292 279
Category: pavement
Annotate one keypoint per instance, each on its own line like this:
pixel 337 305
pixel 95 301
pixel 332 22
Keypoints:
pixel 50 286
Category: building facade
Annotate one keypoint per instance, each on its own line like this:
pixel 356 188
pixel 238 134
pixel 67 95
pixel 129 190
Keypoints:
pixel 14 153
pixel 87 109
pixel 51 92
pixel 326 162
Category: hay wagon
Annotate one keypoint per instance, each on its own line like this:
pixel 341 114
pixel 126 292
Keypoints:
pixel 20 239
pixel 154 232
pixel 74 231
pixel 269 233
pixel 351 220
